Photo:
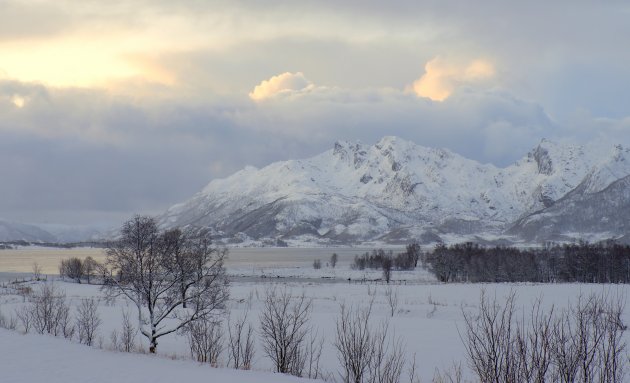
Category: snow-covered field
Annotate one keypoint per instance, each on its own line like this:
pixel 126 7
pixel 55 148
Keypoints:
pixel 428 318
pixel 37 358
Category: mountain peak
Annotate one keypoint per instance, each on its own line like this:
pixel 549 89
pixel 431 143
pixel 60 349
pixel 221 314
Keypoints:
pixel 393 188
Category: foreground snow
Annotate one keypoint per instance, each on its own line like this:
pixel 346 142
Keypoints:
pixel 428 317
pixel 38 358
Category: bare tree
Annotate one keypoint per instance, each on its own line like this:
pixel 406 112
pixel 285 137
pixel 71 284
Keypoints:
pixel 392 299
pixel 333 260
pixel 283 326
pixel 37 271
pixel 186 255
pixel 387 265
pixel 142 266
pixel 88 321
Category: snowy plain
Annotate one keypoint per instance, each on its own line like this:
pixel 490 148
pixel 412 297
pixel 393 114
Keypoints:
pixel 428 317
pixel 38 358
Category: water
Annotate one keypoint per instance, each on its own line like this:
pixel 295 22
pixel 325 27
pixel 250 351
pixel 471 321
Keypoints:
pixel 21 260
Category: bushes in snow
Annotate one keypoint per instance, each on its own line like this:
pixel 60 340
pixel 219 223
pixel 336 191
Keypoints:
pixel 582 343
pixel 284 330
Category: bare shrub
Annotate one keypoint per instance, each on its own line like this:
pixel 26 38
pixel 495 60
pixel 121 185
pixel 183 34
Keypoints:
pixel 127 333
pixel 581 344
pixel 588 341
pixel 388 357
pixel 354 342
pixel 392 300
pixel 367 354
pixel 88 321
pixel 25 292
pixel 283 326
pixel 115 341
pixel 534 343
pixel 313 354
pixel 489 340
pixel 205 339
pixel 317 264
pixel 240 343
pixel 49 311
pixel 24 316
pixel 37 271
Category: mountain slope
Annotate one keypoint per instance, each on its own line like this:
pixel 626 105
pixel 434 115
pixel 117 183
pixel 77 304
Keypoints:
pixel 581 215
pixel 392 191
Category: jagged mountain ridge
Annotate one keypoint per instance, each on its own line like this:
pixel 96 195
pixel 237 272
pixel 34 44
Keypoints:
pixel 393 191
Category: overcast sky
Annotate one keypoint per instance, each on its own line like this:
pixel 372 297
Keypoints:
pixel 108 108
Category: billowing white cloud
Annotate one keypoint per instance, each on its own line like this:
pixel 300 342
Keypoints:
pixel 442 77
pixel 283 84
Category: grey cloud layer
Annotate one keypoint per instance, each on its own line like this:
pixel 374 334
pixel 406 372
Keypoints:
pixel 73 150
pixel 562 72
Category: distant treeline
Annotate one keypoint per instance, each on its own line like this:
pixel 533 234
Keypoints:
pixel 381 259
pixel 606 262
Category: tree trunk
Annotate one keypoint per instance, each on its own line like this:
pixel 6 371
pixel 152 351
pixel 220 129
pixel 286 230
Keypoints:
pixel 154 343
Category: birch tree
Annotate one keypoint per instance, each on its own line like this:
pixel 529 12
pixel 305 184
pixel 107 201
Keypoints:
pixel 172 278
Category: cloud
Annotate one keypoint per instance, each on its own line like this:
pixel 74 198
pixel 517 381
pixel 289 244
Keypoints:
pixel 283 84
pixel 68 151
pixel 18 101
pixel 442 77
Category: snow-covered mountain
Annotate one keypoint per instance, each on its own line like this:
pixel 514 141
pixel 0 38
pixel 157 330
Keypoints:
pixel 49 233
pixel 395 191
pixel 13 231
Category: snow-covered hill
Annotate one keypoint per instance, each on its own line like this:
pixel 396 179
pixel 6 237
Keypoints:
pixel 394 191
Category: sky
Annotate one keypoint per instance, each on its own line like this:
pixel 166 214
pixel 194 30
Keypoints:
pixel 113 108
